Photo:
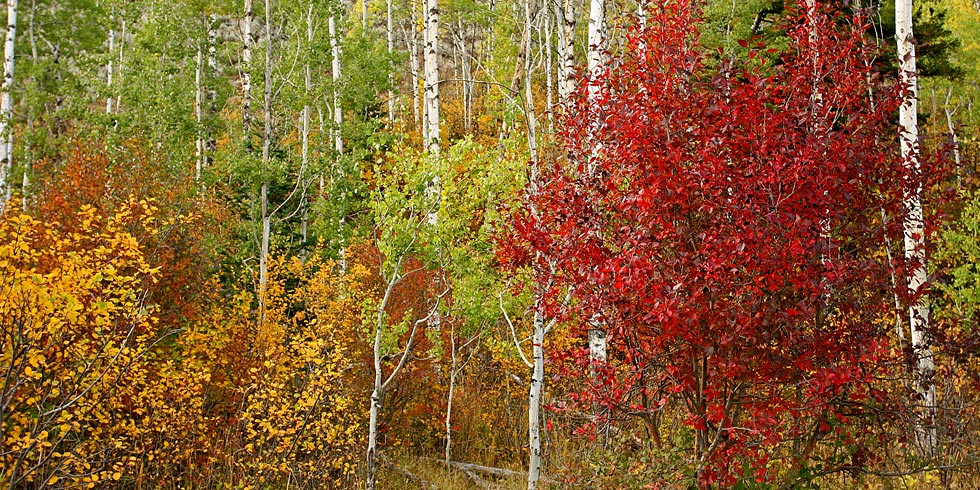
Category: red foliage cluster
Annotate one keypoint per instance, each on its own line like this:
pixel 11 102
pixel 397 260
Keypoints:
pixel 108 179
pixel 725 222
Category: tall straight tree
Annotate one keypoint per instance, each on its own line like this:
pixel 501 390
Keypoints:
pixel 914 230
pixel 565 18
pixel 109 67
pixel 7 101
pixel 338 113
pixel 266 148
pixel 247 42
pixel 432 76
pixel 597 57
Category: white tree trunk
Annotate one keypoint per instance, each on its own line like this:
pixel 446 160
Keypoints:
pixel 413 58
pixel 914 229
pixel 7 102
pixel 246 67
pixel 109 68
pixel 534 403
pixel 199 141
pixel 391 71
pixel 266 146
pixel 565 12
pixel 532 135
pixel 432 76
pixel 597 66
pixel 454 366
pixel 211 99
pixel 550 66
pixel 307 90
pixel 338 114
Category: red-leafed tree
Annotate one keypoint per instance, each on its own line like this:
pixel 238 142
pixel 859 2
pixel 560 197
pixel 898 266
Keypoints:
pixel 730 235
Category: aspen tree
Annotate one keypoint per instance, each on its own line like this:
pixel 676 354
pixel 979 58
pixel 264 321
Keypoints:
pixel 7 101
pixel 432 75
pixel 597 57
pixel 565 14
pixel 109 67
pixel 338 114
pixel 914 231
pixel 266 146
pixel 245 67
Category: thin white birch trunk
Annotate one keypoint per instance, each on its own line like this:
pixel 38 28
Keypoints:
pixel 454 366
pixel 210 144
pixel 550 66
pixel 432 142
pixel 565 11
pixel 338 114
pixel 247 42
pixel 532 135
pixel 119 69
pixel 413 59
pixel 535 395
pixel 109 68
pixel 7 103
pixel 914 233
pixel 390 27
pixel 266 146
pixel 597 57
pixel 199 141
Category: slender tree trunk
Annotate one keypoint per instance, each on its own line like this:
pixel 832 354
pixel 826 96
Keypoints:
pixel 247 43
pixel 413 57
pixel 597 67
pixel 7 102
pixel 550 66
pixel 266 147
pixel 432 142
pixel 532 134
pixel 119 69
pixel 914 231
pixel 454 366
pixel 210 144
pixel 364 16
pixel 390 27
pixel 338 114
pixel 199 141
pixel 109 68
pixel 534 403
pixel 565 11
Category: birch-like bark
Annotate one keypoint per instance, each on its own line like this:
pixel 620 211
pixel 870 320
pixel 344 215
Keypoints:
pixel 432 76
pixel 550 66
pixel 247 42
pixel 390 28
pixel 119 69
pixel 199 141
pixel 413 59
pixel 532 135
pixel 535 395
pixel 914 232
pixel 307 91
pixel 597 57
pixel 109 68
pixel 266 146
pixel 338 114
pixel 565 12
pixel 211 99
pixel 7 102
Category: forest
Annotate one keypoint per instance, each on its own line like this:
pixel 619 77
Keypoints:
pixel 451 244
